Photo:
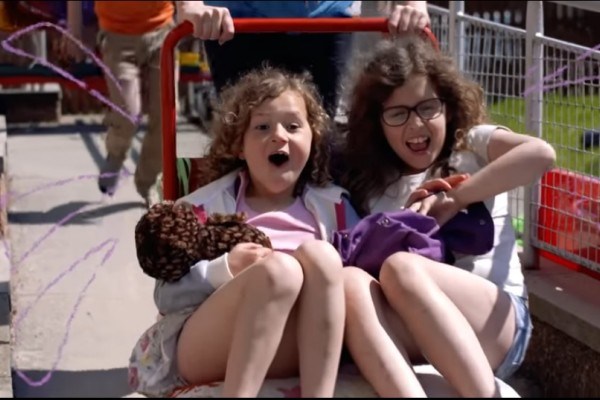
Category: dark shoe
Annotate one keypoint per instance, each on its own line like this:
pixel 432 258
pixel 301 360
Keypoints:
pixel 109 176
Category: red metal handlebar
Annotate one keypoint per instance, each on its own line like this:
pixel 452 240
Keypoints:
pixel 241 25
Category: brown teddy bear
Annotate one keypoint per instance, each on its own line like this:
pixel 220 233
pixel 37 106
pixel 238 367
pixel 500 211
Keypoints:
pixel 171 237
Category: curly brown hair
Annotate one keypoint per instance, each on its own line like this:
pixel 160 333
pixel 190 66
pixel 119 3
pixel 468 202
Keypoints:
pixel 234 111
pixel 391 64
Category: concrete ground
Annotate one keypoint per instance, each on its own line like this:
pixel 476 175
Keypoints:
pixel 79 299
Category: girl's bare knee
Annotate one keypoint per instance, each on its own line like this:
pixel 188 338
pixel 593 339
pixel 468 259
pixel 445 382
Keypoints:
pixel 320 260
pixel 402 272
pixel 279 274
pixel 357 285
pixel 355 279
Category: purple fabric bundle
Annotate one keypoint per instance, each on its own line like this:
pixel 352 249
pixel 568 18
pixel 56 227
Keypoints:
pixel 377 236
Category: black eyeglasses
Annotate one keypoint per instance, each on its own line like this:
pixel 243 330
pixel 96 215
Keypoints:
pixel 426 110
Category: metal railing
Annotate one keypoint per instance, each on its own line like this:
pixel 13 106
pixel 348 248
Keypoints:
pixel 547 88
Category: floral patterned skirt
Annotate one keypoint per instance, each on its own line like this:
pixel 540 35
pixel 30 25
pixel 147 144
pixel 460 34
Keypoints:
pixel 152 364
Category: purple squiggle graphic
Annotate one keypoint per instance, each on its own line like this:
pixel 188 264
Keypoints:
pixel 109 245
pixel 62 182
pixel 554 80
pixel 7 46
pixel 112 245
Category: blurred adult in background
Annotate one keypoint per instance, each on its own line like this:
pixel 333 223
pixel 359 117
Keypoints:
pixel 130 38
pixel 325 55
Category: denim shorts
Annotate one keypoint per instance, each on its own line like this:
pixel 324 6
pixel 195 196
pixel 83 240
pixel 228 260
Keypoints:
pixel 516 354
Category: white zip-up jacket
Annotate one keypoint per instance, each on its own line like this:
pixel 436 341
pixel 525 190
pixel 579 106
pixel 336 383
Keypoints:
pixel 220 196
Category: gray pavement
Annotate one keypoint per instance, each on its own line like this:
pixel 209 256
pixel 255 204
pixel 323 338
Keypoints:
pixel 5 349
pixel 79 299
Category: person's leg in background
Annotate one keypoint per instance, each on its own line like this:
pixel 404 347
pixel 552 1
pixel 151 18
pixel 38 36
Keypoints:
pixel 294 52
pixel 150 161
pixel 119 53
pixel 326 57
pixel 241 54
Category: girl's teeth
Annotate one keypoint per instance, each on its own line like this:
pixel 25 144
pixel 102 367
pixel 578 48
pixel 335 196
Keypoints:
pixel 417 140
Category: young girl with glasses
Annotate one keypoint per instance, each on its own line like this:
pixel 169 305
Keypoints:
pixel 413 117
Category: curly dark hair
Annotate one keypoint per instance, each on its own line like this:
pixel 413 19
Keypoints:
pixel 391 64
pixel 234 111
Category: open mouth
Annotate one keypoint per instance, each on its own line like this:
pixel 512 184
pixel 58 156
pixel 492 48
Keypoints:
pixel 279 158
pixel 418 144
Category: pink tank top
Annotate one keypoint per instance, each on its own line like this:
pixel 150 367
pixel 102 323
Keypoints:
pixel 287 229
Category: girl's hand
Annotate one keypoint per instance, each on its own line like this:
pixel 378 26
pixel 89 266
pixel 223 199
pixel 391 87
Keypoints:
pixel 244 255
pixel 439 206
pixel 433 186
pixel 431 199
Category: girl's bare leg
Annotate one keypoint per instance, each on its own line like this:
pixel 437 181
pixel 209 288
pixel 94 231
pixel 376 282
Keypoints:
pixel 487 307
pixel 321 315
pixel 380 354
pixel 235 334
pixel 440 329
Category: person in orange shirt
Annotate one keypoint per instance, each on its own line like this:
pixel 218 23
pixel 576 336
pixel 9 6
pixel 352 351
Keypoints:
pixel 130 39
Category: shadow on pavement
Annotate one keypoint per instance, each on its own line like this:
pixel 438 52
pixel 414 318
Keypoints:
pixel 4 305
pixel 78 127
pixel 57 213
pixel 110 383
pixel 81 126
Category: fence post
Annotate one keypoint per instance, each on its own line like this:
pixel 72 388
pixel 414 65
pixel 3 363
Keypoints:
pixel 456 33
pixel 534 67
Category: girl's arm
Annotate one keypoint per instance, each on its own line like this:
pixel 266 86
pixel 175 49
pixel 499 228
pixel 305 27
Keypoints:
pixel 75 18
pixel 205 277
pixel 513 160
pixel 68 48
pixel 194 287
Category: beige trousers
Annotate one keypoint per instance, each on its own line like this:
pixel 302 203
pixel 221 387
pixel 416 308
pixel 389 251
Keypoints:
pixel 134 61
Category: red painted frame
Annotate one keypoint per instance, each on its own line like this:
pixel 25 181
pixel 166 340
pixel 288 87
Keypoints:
pixel 242 25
